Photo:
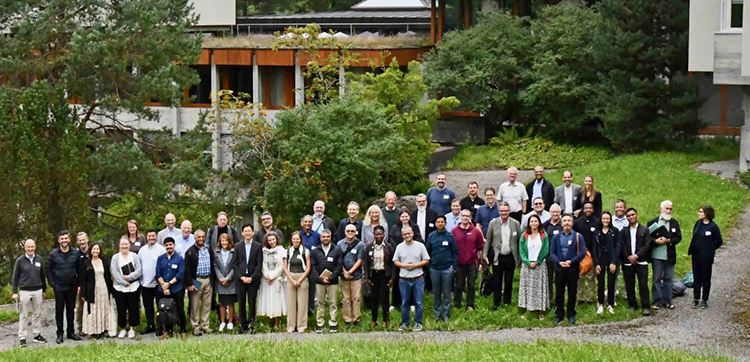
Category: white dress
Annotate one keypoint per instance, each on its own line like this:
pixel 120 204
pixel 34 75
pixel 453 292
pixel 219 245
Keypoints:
pixel 272 297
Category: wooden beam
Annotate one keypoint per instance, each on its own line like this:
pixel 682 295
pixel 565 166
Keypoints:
pixel 467 13
pixel 441 16
pixel 432 22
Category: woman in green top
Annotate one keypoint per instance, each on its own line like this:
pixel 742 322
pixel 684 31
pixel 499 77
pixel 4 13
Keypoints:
pixel 533 292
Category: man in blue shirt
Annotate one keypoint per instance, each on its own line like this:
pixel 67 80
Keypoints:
pixel 170 270
pixel 488 211
pixel 353 253
pixel 310 239
pixel 439 197
pixel 567 249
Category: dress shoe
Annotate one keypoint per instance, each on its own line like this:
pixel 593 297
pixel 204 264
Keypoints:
pixel 74 337
pixel 59 339
pixel 646 312
pixel 572 320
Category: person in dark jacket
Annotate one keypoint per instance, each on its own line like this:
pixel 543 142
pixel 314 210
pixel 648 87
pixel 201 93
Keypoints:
pixel 29 287
pixel 97 289
pixel 664 255
pixel 706 239
pixel 353 211
pixel 221 227
pixel 441 246
pixel 379 274
pixel 540 187
pixel 199 282
pixel 567 249
pixel 170 274
pixel 321 221
pixel 62 274
pixel 325 272
pixel 586 225
pixel 636 253
pixel 248 264
pixel 606 254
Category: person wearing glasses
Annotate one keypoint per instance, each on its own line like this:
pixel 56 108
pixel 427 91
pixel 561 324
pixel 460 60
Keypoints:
pixel 267 221
pixel 539 211
pixel 706 239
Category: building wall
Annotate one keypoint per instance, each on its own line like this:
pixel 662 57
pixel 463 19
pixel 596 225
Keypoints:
pixel 215 12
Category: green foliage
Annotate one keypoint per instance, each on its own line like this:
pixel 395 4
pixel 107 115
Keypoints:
pixel 526 153
pixel 509 135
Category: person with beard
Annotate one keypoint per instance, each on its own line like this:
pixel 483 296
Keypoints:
pixel 439 197
pixel 266 220
pixel 62 274
pixel 472 202
pixel 540 187
pixel 568 195
pixel 586 225
pixel 664 256
pixel 424 217
pixel 320 221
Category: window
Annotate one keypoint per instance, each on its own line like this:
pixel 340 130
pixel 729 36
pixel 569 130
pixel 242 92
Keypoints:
pixel 736 11
pixel 201 92
pixel 238 79
pixel 277 87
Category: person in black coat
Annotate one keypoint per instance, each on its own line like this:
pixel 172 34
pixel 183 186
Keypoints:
pixel 326 258
pixel 425 226
pixel 87 280
pixel 635 256
pixel 548 191
pixel 665 231
pixel 247 267
pixel 199 282
pixel 606 256
pixel 382 278
pixel 62 274
pixel 706 239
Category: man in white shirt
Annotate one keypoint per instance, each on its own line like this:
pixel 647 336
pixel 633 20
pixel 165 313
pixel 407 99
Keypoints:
pixel 170 230
pixel 424 217
pixel 185 240
pixel 636 249
pixel 514 193
pixel 568 195
pixel 539 210
pixel 149 286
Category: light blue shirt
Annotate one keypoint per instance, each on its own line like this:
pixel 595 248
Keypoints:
pixel 248 247
pixel 537 191
pixel 149 255
pixel 317 225
pixel 452 221
pixel 181 245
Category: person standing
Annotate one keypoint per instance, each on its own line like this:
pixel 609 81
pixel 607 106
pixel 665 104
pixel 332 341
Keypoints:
pixel 29 288
pixel 320 220
pixel 389 213
pixel 444 257
pixel 148 256
pixel 514 193
pixel 539 210
pixel 404 219
pixel 126 274
pixel 82 239
pixel 470 244
pixel 353 252
pixel 472 202
pixel 619 222
pixel 221 227
pixel 706 239
pixel 170 272
pixel 411 257
pixel 453 218
pixel 568 195
pixel 592 195
pixel 501 251
pixel 539 187
pixel 225 281
pixel 266 220
pixel 186 239
pixel 272 294
pixel 95 279
pixel 379 274
pixel 199 264
pixel 373 217
pixel 326 268
pixel 248 264
pixel 352 210
pixel 439 197
pixel 533 294
pixel 567 249
pixel 552 227
pixel 423 217
pixel 607 249
pixel 586 225
pixel 297 268
pixel 636 250
pixel 487 212
pixel 310 240
pixel 134 236
pixel 664 255
pixel 170 231
pixel 62 274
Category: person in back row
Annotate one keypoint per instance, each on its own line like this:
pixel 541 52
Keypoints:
pixel 439 197
pixel 514 193
pixel 352 210
pixel 221 227
pixel 540 187
pixel 472 202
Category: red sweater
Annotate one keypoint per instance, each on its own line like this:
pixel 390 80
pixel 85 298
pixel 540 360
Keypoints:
pixel 469 242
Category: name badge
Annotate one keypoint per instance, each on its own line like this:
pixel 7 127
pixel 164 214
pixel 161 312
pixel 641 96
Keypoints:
pixel 515 233
pixel 570 242
pixel 674 230
pixel 446 197
pixel 330 259
pixel 370 253
pixel 174 266
pixel 38 264
pixel 575 197
pixel 708 233
pixel 431 225
pixel 354 251
pixel 476 206
pixel 555 232
pixel 467 234
pixel 137 243
pixel 445 243
pixel 593 229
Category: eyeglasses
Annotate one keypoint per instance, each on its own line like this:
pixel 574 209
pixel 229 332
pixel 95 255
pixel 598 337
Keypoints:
pixel 266 219
pixel 351 231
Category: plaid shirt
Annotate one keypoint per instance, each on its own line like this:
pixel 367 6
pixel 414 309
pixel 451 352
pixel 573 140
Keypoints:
pixel 204 263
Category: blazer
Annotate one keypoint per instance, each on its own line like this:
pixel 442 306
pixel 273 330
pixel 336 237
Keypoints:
pixel 494 239
pixel 575 253
pixel 548 194
pixel 706 239
pixel 222 271
pixel 642 244
pixel 674 238
pixel 245 268
pixel 606 245
pixel 560 196
pixel 212 237
pixel 367 262
pixel 87 280
pixel 396 238
pixel 429 219
pixel 191 264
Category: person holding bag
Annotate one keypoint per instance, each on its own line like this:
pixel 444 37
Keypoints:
pixel 567 250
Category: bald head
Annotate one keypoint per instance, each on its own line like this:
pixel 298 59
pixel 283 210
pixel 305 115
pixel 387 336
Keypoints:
pixel 29 246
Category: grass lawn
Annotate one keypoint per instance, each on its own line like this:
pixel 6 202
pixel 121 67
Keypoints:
pixel 215 349
pixel 8 316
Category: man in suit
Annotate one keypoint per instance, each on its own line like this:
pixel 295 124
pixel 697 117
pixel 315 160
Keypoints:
pixel 636 251
pixel 567 249
pixel 568 195
pixel 248 261
pixel 424 217
pixel 540 187
pixel 502 248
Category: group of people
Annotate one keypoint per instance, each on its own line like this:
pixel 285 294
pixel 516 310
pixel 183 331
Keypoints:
pixel 560 238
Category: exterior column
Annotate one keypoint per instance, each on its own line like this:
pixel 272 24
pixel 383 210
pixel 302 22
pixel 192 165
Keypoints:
pixel 745 132
pixel 342 75
pixel 216 133
pixel 256 86
pixel 299 82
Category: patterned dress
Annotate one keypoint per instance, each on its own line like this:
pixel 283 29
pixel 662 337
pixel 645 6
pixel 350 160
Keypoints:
pixel 101 319
pixel 533 292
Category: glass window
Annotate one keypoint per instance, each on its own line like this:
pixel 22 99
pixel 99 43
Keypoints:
pixel 736 19
pixel 201 92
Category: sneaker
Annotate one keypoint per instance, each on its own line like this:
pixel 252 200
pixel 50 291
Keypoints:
pixel 445 318
pixel 418 327
pixel 222 326
pixel 39 339
pixel 122 334
pixel 319 330
pixel 230 326
pixel 22 343
pixel 696 303
pixel 333 329
pixel 600 309
pixel 403 328
pixel 669 306
pixel 413 309
pixel 469 309
pixel 131 333
pixel 655 307
pixel 572 320
pixel 437 319
pixel 646 312
pixel 391 308
pixel 558 320
pixel 704 304
pixel 610 310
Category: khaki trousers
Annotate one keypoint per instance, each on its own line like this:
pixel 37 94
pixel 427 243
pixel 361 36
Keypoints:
pixel 79 313
pixel 30 302
pixel 352 293
pixel 296 304
pixel 200 305
pixel 326 293
pixel 587 286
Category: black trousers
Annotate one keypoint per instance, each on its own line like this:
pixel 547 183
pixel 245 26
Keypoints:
pixel 629 275
pixel 610 280
pixel 247 294
pixel 311 297
pixel 379 296
pixel 551 276
pixel 503 274
pixel 566 278
pixel 65 302
pixel 466 280
pixel 518 215
pixel 128 304
pixel 149 296
pixel 702 270
pixel 179 301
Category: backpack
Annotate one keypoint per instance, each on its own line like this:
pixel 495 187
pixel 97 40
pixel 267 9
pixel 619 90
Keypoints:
pixel 678 287
pixel 167 315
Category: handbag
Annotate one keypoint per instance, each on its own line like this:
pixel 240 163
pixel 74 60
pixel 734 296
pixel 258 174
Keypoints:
pixel 587 263
pixel 366 289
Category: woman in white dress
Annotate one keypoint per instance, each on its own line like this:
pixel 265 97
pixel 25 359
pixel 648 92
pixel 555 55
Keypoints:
pixel 533 292
pixel 272 294
pixel 96 290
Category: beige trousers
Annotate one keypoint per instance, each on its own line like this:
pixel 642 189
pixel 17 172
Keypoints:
pixel 79 313
pixel 200 305
pixel 326 293
pixel 352 295
pixel 29 302
pixel 296 313
pixel 587 286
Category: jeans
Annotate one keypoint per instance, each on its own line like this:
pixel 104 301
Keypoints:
pixel 411 292
pixel 442 281
pixel 662 281
pixel 466 279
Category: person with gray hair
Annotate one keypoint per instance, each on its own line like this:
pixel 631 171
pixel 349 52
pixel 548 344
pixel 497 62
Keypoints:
pixel 667 234
pixel 501 251
pixel 185 240
pixel 29 288
pixel 221 227
pixel 390 212
pixel 514 193
pixel 439 196
pixel 266 220
pixel 321 221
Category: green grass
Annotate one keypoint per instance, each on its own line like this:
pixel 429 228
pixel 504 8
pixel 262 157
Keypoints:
pixel 216 349
pixel 8 316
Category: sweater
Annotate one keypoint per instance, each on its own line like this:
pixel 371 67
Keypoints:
pixel 28 275
pixel 62 269
pixel 442 249
pixel 523 248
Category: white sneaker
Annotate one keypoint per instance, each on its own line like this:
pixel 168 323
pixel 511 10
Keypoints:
pixel 413 309
pixel 131 333
pixel 222 326
pixel 600 310
pixel 610 310
pixel 391 309
pixel 230 326
pixel 122 334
